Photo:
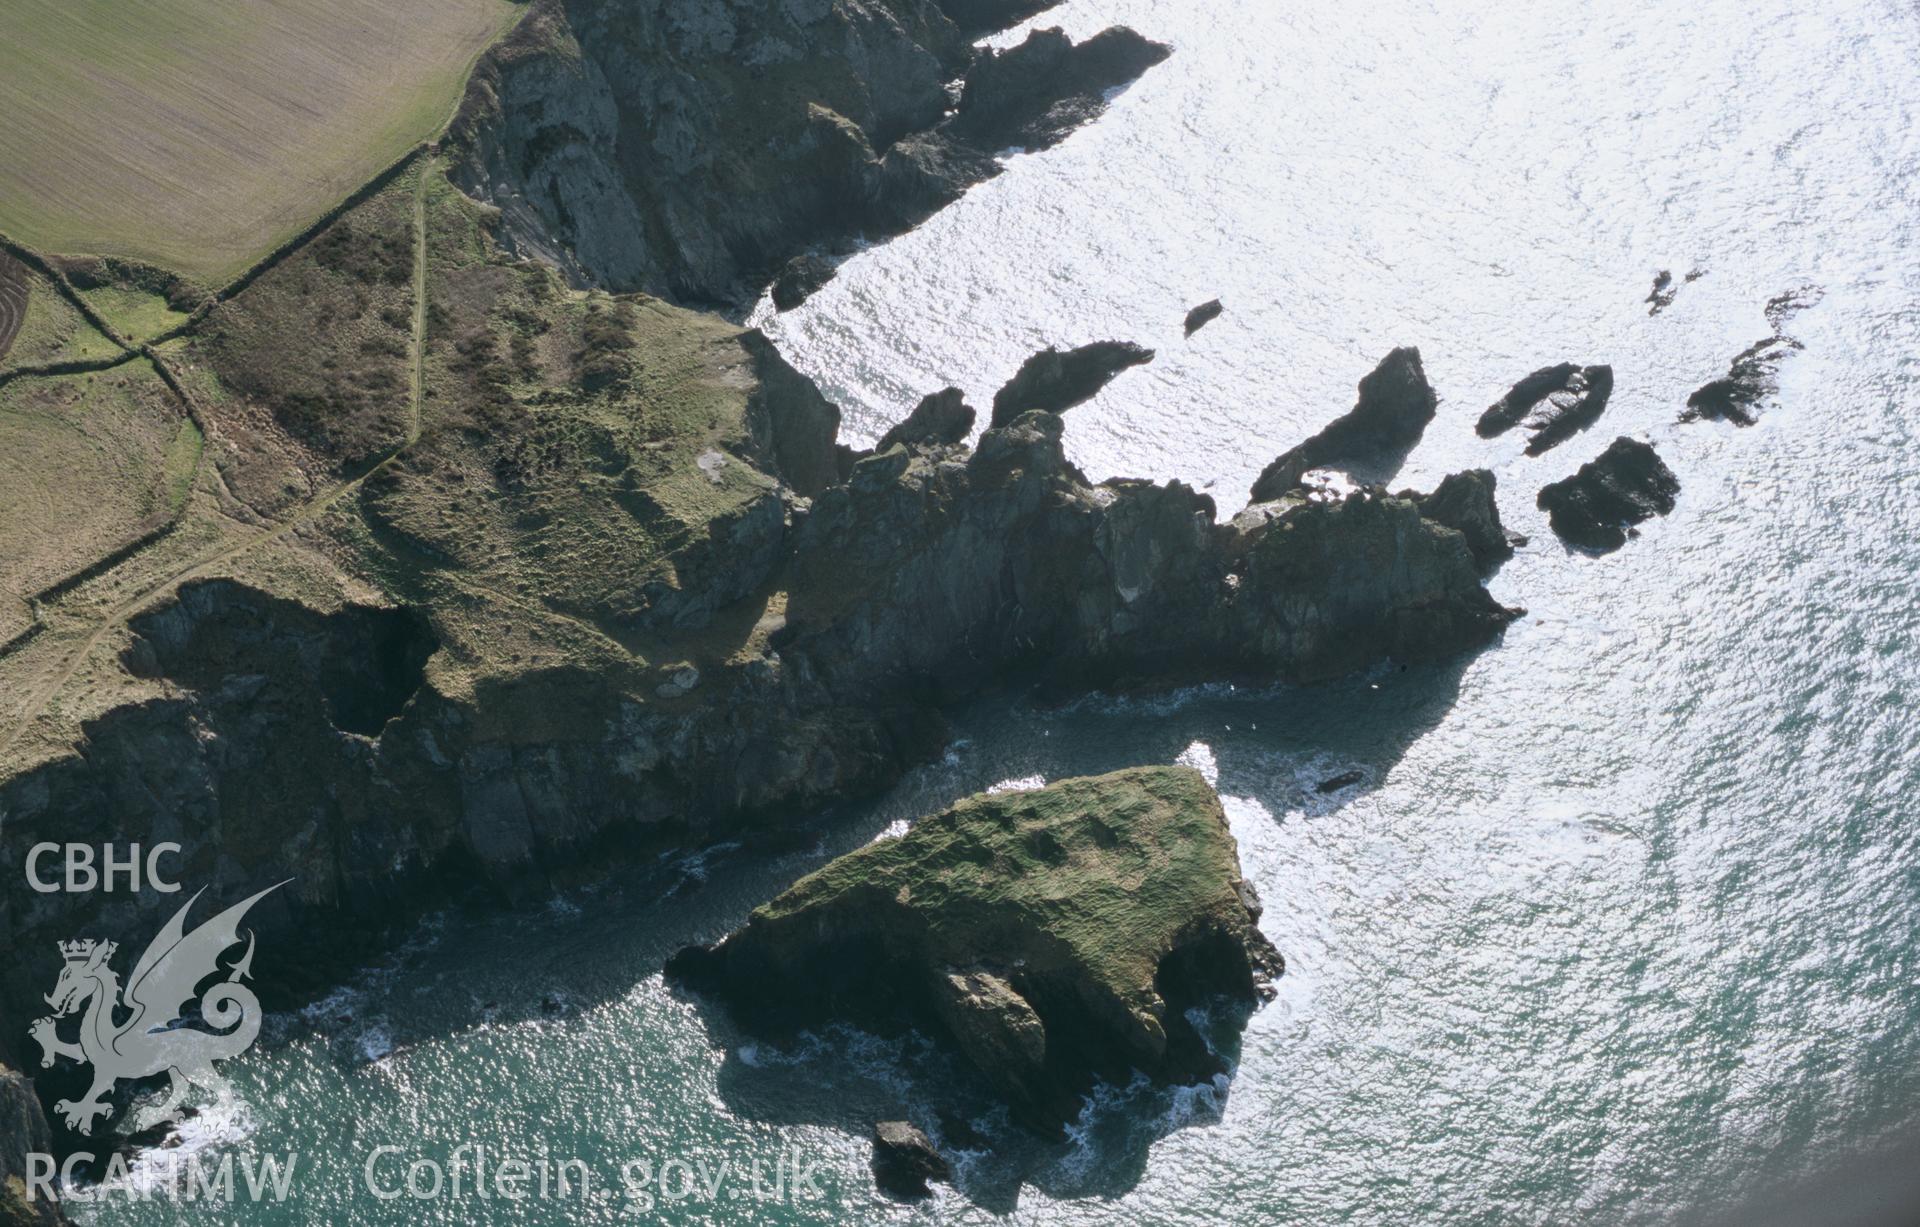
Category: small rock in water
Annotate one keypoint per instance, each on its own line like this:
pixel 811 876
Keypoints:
pixel 905 1162
pixel 1753 376
pixel 1750 379
pixel 1663 292
pixel 1346 779
pixel 1783 307
pixel 1595 508
pixel 1202 315
pixel 1665 288
pixel 1554 402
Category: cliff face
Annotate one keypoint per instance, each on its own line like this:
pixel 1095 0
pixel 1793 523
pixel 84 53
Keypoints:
pixel 939 564
pixel 23 1131
pixel 1054 936
pixel 689 147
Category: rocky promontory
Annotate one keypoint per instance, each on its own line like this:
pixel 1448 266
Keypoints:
pixel 1057 380
pixel 1055 937
pixel 468 600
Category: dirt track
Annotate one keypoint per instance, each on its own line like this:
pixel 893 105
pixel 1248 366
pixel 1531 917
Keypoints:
pixel 64 670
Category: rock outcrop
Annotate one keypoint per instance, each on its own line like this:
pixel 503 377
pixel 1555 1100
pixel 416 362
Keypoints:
pixel 800 278
pixel 690 148
pixel 1202 315
pixel 1597 507
pixel 1554 402
pixel 1464 502
pixel 1055 937
pixel 1753 376
pixel 1393 410
pixel 941 419
pixel 905 1162
pixel 1057 380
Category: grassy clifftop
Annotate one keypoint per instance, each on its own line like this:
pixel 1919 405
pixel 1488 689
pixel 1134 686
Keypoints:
pixel 1102 876
pixel 1054 935
pixel 397 412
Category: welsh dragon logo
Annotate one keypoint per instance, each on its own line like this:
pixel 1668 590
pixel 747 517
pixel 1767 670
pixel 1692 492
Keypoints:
pixel 142 1034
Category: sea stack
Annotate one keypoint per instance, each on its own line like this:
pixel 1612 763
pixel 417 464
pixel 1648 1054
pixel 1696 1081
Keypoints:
pixel 1054 937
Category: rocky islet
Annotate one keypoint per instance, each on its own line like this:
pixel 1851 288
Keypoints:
pixel 1054 937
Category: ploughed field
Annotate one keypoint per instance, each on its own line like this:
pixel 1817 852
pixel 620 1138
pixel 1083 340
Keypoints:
pixel 198 134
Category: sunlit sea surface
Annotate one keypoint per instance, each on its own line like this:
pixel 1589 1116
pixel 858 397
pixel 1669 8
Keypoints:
pixel 1623 920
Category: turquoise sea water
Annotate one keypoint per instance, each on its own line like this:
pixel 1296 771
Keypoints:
pixel 1622 922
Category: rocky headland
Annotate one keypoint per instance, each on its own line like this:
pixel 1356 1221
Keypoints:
pixel 1054 937
pixel 626 588
pixel 460 580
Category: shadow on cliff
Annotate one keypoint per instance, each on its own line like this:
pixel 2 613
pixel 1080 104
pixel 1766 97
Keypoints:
pixel 474 967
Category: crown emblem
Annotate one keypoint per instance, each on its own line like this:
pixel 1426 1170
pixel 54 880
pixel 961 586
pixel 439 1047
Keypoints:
pixel 82 950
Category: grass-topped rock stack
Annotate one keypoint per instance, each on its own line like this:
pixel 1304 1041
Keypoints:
pixel 1054 936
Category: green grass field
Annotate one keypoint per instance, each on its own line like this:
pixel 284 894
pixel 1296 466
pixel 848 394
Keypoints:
pixel 48 328
pixel 198 134
pixel 87 464
pixel 136 315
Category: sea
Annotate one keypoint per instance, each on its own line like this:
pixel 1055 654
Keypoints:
pixel 1620 923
